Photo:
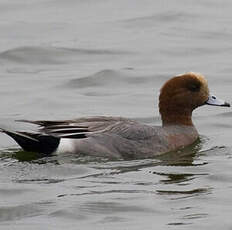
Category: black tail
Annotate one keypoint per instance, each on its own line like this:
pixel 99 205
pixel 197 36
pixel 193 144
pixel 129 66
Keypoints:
pixel 34 142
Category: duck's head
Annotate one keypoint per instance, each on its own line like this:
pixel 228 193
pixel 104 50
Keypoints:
pixel 180 95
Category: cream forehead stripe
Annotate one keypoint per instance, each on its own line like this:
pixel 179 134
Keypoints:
pixel 199 76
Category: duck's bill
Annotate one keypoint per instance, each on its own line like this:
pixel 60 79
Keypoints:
pixel 212 100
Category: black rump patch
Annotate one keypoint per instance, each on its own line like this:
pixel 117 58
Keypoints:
pixel 33 142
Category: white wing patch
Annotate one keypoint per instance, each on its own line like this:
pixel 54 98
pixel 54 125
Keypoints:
pixel 65 146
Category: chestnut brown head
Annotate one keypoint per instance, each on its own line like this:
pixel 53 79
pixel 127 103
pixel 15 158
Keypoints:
pixel 180 95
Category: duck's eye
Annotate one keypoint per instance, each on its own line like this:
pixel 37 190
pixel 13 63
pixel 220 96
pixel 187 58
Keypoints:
pixel 194 87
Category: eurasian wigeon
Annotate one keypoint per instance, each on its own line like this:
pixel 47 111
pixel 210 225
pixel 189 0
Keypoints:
pixel 117 137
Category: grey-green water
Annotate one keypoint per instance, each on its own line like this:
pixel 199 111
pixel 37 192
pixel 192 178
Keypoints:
pixel 67 59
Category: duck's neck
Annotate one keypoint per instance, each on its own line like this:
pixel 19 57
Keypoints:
pixel 183 117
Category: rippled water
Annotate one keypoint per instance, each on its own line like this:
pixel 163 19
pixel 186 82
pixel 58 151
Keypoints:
pixel 67 59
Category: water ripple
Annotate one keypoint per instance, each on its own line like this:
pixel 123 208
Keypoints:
pixel 110 77
pixel 18 212
pixel 33 55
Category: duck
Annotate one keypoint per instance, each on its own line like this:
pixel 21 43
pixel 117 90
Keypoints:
pixel 124 138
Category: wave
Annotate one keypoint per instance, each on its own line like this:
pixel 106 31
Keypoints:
pixel 109 77
pixel 53 55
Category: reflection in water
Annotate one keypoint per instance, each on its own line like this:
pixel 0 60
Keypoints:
pixel 186 192
pixel 180 180
pixel 182 157
pixel 172 177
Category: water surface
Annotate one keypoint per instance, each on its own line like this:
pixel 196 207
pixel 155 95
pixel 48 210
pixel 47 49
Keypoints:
pixel 67 59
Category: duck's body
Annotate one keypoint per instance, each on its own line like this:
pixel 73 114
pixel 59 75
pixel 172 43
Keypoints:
pixel 116 137
pixel 153 141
